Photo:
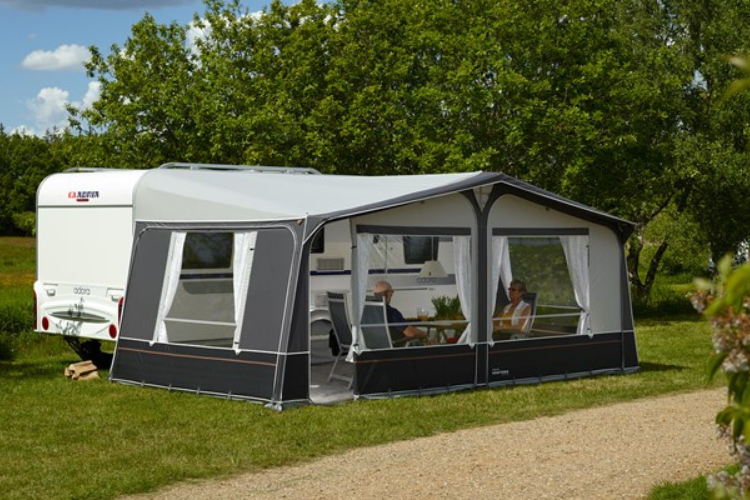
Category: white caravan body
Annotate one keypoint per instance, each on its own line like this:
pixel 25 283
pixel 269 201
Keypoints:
pixel 84 240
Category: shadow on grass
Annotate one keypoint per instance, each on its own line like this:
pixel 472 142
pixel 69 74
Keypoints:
pixel 17 371
pixel 669 319
pixel 658 367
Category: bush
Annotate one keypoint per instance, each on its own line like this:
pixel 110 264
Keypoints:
pixel 664 300
pixel 25 222
pixel 726 303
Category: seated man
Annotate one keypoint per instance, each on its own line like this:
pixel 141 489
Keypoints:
pixel 515 316
pixel 400 332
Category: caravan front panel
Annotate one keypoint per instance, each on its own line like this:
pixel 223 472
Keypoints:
pixel 84 239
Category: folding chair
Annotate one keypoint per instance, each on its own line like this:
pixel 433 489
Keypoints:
pixel 342 329
pixel 374 324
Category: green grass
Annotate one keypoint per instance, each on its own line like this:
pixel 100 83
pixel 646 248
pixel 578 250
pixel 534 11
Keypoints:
pixel 17 261
pixel 693 489
pixel 67 439
pixel 17 273
pixel 99 440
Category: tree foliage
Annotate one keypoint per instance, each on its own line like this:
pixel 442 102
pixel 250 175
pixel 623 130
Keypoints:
pixel 24 162
pixel 614 103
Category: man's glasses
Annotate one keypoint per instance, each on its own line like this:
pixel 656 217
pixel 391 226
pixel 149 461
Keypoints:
pixel 514 289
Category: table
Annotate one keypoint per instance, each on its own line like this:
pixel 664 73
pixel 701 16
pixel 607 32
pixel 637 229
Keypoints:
pixel 439 329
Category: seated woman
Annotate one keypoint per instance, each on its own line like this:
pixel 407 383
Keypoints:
pixel 515 316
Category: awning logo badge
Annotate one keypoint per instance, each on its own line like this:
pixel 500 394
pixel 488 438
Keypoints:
pixel 82 196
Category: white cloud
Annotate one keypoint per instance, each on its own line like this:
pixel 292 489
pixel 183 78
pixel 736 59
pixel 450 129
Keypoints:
pixel 91 96
pixel 50 108
pixel 69 57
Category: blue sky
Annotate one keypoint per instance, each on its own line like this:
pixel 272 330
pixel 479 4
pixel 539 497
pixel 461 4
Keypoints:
pixel 43 43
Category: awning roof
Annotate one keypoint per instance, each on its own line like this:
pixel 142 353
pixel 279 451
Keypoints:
pixel 180 195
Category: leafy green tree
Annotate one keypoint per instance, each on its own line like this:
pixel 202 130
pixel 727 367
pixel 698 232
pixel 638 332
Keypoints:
pixel 609 102
pixel 24 162
pixel 260 78
pixel 713 152
pixel 144 109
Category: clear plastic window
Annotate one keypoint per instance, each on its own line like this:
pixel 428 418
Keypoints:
pixel 202 298
pixel 430 278
pixel 553 273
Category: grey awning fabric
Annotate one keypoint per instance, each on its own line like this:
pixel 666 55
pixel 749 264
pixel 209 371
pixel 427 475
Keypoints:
pixel 165 195
pixel 180 195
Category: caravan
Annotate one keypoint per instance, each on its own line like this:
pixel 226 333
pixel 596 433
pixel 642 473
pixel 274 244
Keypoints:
pixel 84 238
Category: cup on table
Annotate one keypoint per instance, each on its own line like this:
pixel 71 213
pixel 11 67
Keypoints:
pixel 422 314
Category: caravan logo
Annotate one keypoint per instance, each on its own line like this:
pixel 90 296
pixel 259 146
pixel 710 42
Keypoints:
pixel 82 196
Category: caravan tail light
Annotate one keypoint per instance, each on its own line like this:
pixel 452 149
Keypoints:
pixel 113 328
pixel 36 319
pixel 45 323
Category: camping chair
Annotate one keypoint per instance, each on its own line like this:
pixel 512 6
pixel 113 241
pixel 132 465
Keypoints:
pixel 529 298
pixel 375 328
pixel 342 330
pixel 374 324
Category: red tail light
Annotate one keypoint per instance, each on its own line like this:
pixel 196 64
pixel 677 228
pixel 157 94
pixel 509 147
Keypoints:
pixel 45 323
pixel 113 328
pixel 36 321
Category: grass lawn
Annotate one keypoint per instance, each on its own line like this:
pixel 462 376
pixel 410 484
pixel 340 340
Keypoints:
pixel 67 439
pixel 693 489
pixel 17 274
pixel 99 440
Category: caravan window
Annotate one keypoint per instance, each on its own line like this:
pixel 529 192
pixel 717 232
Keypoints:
pixel 554 270
pixel 420 249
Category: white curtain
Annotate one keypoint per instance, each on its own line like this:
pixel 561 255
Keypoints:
pixel 169 286
pixel 360 275
pixel 462 264
pixel 364 246
pixel 501 269
pixel 242 263
pixel 577 256
pixel 500 266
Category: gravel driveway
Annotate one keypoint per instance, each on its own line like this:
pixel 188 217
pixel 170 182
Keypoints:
pixel 614 452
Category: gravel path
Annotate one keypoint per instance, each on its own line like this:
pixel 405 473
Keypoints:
pixel 614 452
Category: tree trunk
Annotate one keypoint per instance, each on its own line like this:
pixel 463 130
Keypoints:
pixel 642 288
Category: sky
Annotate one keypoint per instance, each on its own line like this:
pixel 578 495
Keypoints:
pixel 43 44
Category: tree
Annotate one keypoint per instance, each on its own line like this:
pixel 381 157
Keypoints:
pixel 609 102
pixel 24 162
pixel 144 109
